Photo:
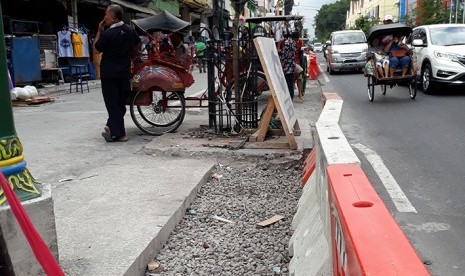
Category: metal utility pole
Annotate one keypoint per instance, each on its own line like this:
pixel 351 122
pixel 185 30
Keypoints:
pixel 74 11
pixel 450 12
pixel 456 10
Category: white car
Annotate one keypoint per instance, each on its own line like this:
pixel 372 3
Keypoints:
pixel 346 50
pixel 440 52
pixel 317 47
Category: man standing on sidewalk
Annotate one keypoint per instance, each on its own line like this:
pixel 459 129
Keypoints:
pixel 117 44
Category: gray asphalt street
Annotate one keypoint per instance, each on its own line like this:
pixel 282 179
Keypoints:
pixel 422 144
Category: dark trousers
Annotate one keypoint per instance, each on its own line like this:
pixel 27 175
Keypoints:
pixel 201 64
pixel 115 93
pixel 290 83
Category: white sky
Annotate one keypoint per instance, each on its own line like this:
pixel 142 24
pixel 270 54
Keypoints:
pixel 309 9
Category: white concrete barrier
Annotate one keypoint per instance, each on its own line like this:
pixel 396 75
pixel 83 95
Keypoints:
pixel 310 244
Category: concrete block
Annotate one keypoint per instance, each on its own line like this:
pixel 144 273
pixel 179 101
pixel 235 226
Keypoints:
pixel 306 201
pixel 331 112
pixel 304 230
pixel 40 211
pixel 335 147
pixel 311 254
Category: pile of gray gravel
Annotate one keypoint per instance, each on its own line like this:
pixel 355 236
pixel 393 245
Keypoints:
pixel 245 193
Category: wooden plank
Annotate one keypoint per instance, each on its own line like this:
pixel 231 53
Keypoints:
pixel 271 220
pixel 265 120
pixel 253 137
pixel 292 141
pixel 269 144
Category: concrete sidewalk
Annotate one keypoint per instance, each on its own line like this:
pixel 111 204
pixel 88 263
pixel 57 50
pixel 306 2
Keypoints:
pixel 115 217
pixel 116 203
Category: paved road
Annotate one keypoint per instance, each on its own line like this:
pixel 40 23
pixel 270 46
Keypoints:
pixel 422 145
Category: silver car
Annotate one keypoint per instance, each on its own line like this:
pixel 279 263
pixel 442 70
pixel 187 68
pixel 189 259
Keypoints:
pixel 346 51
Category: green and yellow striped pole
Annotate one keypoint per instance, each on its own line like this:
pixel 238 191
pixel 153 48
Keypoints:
pixel 12 163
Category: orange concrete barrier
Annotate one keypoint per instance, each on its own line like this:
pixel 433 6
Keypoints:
pixel 366 240
pixel 313 70
pixel 309 166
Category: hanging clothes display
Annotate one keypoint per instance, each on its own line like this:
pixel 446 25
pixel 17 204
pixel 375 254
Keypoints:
pixel 85 44
pixel 65 47
pixel 77 44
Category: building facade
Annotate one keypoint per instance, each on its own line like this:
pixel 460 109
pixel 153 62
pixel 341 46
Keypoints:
pixel 372 10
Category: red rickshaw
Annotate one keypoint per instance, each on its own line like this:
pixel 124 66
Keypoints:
pixel 157 103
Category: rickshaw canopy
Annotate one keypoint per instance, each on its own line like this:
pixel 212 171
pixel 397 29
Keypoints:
pixel 396 29
pixel 164 22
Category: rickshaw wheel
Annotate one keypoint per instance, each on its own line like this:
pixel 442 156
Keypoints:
pixel 164 113
pixel 412 89
pixel 371 88
pixel 383 88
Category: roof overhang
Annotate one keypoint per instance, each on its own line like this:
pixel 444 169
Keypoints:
pixel 198 5
pixel 273 18
pixel 133 6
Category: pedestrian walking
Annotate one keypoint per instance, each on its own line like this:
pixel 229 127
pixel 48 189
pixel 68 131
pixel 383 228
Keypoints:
pixel 116 43
pixel 299 71
pixel 191 45
pixel 288 61
pixel 200 52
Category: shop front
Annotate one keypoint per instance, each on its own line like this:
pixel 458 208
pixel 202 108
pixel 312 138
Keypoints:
pixel 43 37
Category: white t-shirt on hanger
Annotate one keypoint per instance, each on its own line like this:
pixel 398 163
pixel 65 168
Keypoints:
pixel 65 46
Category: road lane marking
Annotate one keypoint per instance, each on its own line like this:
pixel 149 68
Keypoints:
pixel 395 192
pixel 323 73
pixel 429 227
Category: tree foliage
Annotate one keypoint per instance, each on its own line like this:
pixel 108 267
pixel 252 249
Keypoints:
pixel 429 12
pixel 364 23
pixel 330 17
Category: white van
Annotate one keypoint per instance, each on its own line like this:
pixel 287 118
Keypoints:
pixel 346 51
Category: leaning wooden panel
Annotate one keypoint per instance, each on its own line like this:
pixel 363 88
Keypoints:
pixel 271 63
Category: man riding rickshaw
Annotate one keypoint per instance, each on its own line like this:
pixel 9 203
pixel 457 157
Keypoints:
pixel 389 61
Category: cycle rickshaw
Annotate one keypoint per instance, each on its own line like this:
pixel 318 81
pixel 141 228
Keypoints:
pixel 374 78
pixel 157 103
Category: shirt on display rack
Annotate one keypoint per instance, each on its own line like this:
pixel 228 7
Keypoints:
pixel 73 43
pixel 65 47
